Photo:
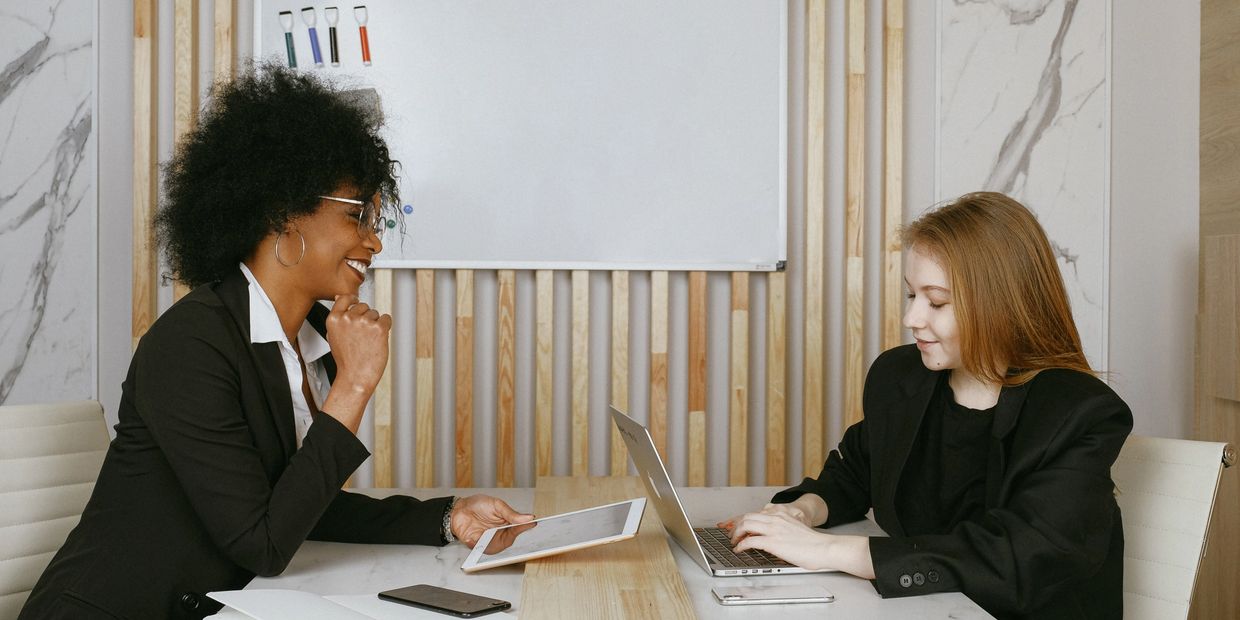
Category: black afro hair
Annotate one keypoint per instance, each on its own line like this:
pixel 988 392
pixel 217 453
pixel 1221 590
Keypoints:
pixel 268 143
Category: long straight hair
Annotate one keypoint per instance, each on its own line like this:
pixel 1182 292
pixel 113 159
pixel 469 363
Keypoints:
pixel 1007 292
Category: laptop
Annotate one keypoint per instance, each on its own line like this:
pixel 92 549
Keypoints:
pixel 710 547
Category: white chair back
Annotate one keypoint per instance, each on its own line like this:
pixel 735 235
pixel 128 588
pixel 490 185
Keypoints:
pixel 49 459
pixel 1166 494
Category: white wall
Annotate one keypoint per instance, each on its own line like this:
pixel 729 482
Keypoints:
pixel 115 183
pixel 48 153
pixel 1154 210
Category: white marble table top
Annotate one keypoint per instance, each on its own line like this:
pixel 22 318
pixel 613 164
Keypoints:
pixel 354 573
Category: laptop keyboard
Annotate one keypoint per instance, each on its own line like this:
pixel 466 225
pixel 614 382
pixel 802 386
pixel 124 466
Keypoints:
pixel 718 545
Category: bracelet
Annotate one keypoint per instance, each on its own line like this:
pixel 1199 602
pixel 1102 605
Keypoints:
pixel 446 531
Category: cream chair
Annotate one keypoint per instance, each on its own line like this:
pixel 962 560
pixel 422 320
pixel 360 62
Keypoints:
pixel 1166 494
pixel 49 458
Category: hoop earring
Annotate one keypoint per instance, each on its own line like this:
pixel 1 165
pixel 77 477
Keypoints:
pixel 299 256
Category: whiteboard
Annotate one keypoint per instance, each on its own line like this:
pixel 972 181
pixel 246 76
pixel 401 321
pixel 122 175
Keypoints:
pixel 573 134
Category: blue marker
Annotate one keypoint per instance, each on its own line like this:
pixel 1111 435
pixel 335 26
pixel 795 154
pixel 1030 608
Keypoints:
pixel 286 20
pixel 308 16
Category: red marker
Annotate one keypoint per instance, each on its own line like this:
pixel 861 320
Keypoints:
pixel 359 13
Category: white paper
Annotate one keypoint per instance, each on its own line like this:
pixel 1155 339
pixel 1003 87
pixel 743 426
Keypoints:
pixel 285 604
pixel 296 604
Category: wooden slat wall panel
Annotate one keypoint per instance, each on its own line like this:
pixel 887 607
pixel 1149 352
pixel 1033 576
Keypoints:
pixel 464 378
pixel 424 400
pixel 544 283
pixel 145 293
pixel 185 82
pixel 581 373
pixel 658 360
pixel 382 450
pixel 776 377
pixel 225 44
pixel 697 379
pixel 893 172
pixel 1218 327
pixel 619 365
pixel 738 407
pixel 1218 418
pixel 814 409
pixel 854 217
pixel 506 380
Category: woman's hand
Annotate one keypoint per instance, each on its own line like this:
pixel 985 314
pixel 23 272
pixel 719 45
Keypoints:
pixel 808 509
pixel 473 515
pixel 358 336
pixel 789 538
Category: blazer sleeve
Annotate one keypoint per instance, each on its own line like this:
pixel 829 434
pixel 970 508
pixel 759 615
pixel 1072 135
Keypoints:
pixel 399 519
pixel 187 389
pixel 1055 527
pixel 843 483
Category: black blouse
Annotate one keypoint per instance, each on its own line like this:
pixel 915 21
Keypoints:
pixel 944 481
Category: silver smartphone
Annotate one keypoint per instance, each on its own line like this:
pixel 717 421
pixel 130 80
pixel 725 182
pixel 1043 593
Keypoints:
pixel 772 595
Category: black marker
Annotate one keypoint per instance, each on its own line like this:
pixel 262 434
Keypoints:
pixel 332 17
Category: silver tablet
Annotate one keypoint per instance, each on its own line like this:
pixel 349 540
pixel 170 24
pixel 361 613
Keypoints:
pixel 556 534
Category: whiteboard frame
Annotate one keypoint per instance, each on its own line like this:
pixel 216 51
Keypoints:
pixel 779 264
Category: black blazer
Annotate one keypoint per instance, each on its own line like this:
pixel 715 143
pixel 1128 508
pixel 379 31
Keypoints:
pixel 204 487
pixel 1050 544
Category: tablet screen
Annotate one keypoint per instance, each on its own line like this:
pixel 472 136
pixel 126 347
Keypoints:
pixel 558 533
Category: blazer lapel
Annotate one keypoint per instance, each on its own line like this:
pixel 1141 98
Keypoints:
pixel 1007 411
pixel 905 421
pixel 235 293
pixel 318 320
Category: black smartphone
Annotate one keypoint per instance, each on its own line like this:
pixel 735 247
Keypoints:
pixel 445 601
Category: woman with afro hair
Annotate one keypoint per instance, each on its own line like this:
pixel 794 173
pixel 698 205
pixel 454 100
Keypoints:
pixel 238 417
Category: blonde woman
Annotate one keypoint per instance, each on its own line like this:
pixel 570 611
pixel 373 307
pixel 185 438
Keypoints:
pixel 986 447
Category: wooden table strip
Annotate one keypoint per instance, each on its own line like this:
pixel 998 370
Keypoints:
pixel 619 365
pixel 635 578
pixel 464 377
pixel 505 464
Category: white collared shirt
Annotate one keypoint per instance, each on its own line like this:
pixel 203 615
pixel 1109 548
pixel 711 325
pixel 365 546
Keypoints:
pixel 265 327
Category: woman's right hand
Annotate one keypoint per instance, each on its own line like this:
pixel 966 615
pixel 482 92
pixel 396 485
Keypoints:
pixel 808 509
pixel 358 336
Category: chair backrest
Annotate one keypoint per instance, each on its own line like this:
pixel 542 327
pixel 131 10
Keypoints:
pixel 49 459
pixel 1166 490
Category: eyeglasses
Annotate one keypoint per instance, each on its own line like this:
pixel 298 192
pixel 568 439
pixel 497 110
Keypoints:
pixel 368 220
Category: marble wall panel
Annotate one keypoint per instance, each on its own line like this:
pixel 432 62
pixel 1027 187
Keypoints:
pixel 48 255
pixel 1023 109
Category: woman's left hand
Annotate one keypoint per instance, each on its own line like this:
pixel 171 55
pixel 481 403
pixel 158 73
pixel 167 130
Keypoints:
pixel 473 515
pixel 785 536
